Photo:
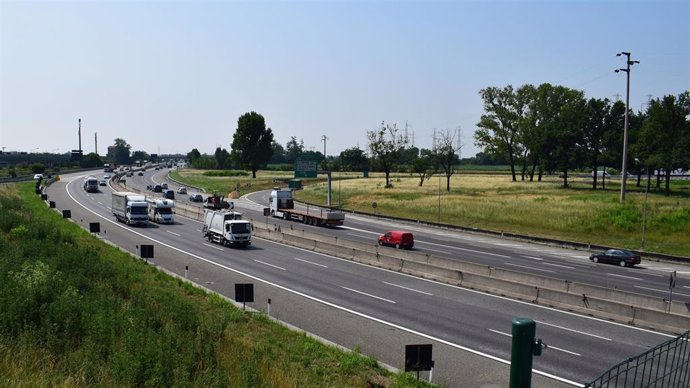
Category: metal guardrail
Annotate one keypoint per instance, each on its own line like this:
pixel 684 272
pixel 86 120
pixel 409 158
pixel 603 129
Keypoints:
pixel 667 365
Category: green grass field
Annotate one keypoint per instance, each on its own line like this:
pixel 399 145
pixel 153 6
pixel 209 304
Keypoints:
pixel 493 202
pixel 78 312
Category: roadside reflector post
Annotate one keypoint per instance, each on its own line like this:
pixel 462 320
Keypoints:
pixel 186 271
pixel 268 307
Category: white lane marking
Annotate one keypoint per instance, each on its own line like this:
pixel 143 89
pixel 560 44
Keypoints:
pixel 311 262
pixel 211 246
pixel 574 331
pixel 655 275
pixel 435 244
pixel 369 295
pixel 499 332
pixel 410 289
pixel 476 251
pixel 100 203
pixel 270 265
pixel 559 265
pixel 173 233
pixel 534 268
pixel 436 250
pixel 563 350
pixel 658 290
pixel 534 258
pixel 378 320
pixel 549 346
pixel 198 230
pixel 622 276
pixel 686 287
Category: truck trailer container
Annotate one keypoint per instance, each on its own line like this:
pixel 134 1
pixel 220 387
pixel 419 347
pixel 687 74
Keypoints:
pixel 130 208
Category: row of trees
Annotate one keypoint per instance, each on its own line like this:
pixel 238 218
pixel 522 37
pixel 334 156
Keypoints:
pixel 553 128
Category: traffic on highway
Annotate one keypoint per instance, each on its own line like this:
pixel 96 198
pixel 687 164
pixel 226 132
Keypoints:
pixel 378 310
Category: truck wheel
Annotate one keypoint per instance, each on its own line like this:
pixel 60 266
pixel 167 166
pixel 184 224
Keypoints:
pixel 397 246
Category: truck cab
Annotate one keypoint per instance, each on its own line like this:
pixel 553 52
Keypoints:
pixel 226 228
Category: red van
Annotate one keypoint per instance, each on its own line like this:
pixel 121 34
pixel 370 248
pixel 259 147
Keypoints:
pixel 398 239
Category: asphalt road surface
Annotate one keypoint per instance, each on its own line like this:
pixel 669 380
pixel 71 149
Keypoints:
pixel 379 311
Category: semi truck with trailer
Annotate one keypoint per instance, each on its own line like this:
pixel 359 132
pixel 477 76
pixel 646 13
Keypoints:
pixel 226 228
pixel 130 208
pixel 91 184
pixel 281 205
pixel 161 210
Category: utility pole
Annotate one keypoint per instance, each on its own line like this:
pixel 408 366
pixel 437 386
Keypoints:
pixel 328 171
pixel 625 129
pixel 95 140
pixel 79 134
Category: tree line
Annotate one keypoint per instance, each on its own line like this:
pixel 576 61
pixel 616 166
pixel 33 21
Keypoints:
pixel 546 129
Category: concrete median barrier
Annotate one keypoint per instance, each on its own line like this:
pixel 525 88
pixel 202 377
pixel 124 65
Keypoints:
pixel 595 301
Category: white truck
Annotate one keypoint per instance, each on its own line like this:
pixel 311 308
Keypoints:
pixel 226 228
pixel 161 210
pixel 282 205
pixel 130 208
pixel 91 184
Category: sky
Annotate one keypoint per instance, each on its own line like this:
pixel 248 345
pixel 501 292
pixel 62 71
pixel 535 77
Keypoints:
pixel 169 76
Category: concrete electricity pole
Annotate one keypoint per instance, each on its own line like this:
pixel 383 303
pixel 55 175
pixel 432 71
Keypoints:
pixel 625 129
pixel 79 134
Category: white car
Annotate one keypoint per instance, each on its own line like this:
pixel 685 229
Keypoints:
pixel 182 190
pixel 38 176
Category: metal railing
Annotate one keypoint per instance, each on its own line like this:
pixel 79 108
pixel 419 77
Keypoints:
pixel 665 366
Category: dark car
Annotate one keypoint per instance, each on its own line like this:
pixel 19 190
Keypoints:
pixel 140 173
pixel 169 194
pixel 196 198
pixel 398 239
pixel 157 189
pixel 617 256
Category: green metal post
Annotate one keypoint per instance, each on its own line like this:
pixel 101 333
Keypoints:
pixel 524 330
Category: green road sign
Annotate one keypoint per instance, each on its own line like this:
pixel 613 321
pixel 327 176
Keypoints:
pixel 305 168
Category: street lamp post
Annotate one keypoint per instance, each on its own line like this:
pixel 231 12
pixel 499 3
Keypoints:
pixel 625 129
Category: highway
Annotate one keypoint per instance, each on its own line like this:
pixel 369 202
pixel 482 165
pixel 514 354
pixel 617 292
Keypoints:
pixel 649 278
pixel 380 311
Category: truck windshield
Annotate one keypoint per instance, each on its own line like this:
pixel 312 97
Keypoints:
pixel 240 228
pixel 139 210
pixel 165 210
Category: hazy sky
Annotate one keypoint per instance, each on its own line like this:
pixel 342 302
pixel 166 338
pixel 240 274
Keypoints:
pixel 169 76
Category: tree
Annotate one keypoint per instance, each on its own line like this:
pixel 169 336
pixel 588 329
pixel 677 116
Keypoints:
pixel 193 155
pixel 91 160
pixel 140 155
pixel 222 157
pixel 293 149
pixel 560 113
pixel 499 129
pixel 354 159
pixel 384 144
pixel 251 143
pixel 446 154
pixel 422 167
pixel 121 153
pixel 278 153
pixel 668 129
pixel 597 113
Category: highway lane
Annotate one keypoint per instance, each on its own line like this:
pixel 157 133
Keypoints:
pixel 451 315
pixel 649 278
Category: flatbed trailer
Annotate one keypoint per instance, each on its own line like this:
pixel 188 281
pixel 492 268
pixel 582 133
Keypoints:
pixel 282 206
